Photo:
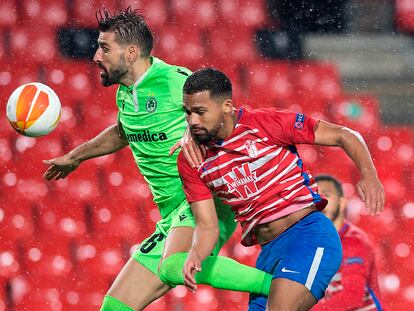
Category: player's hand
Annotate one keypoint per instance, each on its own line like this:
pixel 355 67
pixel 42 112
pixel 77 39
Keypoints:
pixel 193 152
pixel 191 266
pixel 372 193
pixel 59 167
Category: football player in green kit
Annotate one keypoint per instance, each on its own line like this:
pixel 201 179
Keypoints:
pixel 150 120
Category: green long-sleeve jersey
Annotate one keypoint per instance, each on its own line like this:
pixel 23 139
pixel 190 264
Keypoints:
pixel 153 120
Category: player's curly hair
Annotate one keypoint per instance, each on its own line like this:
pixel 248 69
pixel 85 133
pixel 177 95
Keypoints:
pixel 129 27
pixel 209 79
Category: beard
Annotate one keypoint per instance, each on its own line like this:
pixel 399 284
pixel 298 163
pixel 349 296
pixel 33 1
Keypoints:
pixel 208 136
pixel 110 77
pixel 335 214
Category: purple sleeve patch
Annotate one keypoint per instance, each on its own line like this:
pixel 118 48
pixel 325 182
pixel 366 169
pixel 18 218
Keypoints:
pixel 300 121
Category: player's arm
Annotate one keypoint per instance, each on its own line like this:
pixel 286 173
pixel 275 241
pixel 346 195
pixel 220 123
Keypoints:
pixel 108 141
pixel 206 231
pixel 369 187
pixel 288 128
pixel 205 237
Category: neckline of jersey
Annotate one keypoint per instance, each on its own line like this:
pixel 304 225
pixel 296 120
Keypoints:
pixel 145 74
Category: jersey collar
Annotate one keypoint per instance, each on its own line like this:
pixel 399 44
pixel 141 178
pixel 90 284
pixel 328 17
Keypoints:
pixel 239 112
pixel 145 74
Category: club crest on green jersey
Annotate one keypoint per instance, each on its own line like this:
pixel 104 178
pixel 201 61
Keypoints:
pixel 151 104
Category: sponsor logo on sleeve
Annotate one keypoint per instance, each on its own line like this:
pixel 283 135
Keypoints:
pixel 300 121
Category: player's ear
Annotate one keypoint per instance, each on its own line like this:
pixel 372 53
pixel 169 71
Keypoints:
pixel 132 53
pixel 342 204
pixel 228 106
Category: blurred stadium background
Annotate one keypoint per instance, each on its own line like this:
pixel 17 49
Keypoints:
pixel 346 61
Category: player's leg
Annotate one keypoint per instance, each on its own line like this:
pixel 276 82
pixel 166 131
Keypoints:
pixel 138 283
pixel 287 295
pixel 134 288
pixel 217 271
pixel 302 260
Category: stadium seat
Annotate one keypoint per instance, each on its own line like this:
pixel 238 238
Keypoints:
pixel 8 13
pixel 12 76
pixel 64 219
pixel 31 46
pixel 359 112
pixel 183 47
pixel 95 252
pixel 396 142
pixel 404 14
pixel 233 45
pixel 269 82
pixel 16 219
pixel 334 161
pixel 243 13
pixel 203 13
pixel 316 80
pixel 52 13
pixel 155 11
pixel 45 292
pixel 48 256
pixel 83 12
pixel 70 81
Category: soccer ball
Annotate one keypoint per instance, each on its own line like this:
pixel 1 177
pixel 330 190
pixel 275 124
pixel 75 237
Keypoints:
pixel 33 109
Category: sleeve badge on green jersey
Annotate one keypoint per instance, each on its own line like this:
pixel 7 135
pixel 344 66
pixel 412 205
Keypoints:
pixel 151 104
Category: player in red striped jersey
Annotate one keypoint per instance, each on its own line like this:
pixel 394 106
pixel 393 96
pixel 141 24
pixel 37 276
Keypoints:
pixel 355 286
pixel 252 164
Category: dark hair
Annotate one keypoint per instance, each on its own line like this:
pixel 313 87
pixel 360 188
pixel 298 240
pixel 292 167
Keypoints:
pixel 333 180
pixel 209 79
pixel 128 26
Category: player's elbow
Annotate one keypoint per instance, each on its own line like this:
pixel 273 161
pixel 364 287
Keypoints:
pixel 348 136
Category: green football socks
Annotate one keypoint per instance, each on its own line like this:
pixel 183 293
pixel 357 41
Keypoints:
pixel 112 304
pixel 219 272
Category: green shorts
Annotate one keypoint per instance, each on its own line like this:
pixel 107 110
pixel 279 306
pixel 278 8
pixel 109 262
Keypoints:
pixel 150 251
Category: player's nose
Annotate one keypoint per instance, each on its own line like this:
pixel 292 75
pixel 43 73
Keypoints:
pixel 97 58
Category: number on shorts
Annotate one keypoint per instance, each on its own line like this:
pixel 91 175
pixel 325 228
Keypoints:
pixel 151 243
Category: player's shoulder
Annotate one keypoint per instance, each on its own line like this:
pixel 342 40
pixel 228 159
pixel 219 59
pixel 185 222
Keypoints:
pixel 169 69
pixel 271 112
pixel 355 237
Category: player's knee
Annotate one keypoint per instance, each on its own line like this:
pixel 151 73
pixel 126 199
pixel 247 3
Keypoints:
pixel 170 270
pixel 163 270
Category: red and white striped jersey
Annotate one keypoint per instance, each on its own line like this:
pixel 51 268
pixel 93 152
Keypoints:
pixel 257 170
pixel 355 285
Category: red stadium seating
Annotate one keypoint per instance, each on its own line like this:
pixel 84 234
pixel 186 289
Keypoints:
pixel 155 11
pixel 106 251
pixel 42 292
pixel 12 77
pixel 182 47
pixel 83 12
pixel 316 80
pixel 203 13
pixel 62 242
pixel 269 81
pixel 243 13
pixel 233 45
pixel 16 219
pixel 32 46
pixel 404 11
pixel 52 13
pixel 360 112
pixel 8 13
pixel 71 81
